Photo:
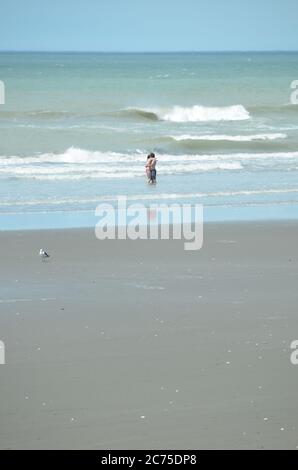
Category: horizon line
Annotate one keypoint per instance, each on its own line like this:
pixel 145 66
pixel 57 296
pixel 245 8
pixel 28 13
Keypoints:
pixel 182 51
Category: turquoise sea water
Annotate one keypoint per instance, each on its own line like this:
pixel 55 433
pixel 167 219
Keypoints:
pixel 76 128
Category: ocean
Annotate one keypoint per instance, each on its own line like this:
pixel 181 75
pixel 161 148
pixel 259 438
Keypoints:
pixel 76 128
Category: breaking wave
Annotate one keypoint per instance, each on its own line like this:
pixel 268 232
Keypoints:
pixel 195 113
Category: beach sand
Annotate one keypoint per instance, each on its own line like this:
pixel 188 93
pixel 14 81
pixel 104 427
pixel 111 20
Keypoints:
pixel 140 344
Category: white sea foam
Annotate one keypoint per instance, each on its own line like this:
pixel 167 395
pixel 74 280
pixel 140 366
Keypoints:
pixel 81 156
pixel 195 113
pixel 106 172
pixel 232 138
pixel 203 113
pixel 76 164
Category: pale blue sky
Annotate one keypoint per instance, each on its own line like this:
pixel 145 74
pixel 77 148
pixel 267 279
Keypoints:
pixel 148 25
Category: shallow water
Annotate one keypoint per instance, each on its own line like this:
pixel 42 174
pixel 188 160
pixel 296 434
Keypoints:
pixel 76 129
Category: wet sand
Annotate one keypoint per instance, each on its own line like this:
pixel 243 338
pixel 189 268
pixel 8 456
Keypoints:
pixel 140 344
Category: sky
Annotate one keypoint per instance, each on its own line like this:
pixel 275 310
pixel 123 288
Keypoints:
pixel 148 25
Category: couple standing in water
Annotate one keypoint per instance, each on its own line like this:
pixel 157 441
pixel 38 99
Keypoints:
pixel 151 168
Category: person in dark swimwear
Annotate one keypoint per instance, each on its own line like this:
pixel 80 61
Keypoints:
pixel 152 164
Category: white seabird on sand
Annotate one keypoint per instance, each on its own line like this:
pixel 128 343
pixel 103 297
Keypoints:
pixel 43 254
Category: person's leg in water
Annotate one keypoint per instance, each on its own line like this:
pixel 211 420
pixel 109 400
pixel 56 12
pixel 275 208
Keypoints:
pixel 153 176
pixel 153 161
pixel 148 170
pixel 148 173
